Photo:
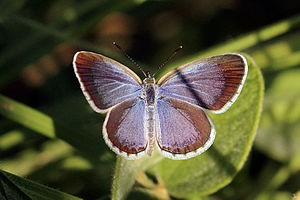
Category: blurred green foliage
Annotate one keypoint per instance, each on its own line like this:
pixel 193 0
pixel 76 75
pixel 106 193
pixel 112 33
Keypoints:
pixel 50 135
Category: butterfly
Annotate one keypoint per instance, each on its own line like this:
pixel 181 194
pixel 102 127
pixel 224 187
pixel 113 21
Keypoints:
pixel 169 114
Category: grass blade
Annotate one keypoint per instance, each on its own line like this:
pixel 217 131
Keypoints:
pixel 14 187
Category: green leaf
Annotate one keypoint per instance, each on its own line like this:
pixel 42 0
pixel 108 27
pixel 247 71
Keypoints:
pixel 215 168
pixel 126 171
pixel 31 159
pixel 10 139
pixel 17 188
pixel 35 120
pixel 27 116
pixel 281 117
pixel 275 196
pixel 279 54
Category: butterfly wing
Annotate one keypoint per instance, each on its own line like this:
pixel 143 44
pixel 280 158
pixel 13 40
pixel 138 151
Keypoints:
pixel 124 129
pixel 111 87
pixel 105 82
pixel 212 83
pixel 183 130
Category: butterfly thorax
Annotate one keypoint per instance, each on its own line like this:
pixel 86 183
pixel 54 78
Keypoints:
pixel 150 91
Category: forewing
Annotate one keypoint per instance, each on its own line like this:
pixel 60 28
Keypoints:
pixel 104 81
pixel 183 130
pixel 123 129
pixel 212 83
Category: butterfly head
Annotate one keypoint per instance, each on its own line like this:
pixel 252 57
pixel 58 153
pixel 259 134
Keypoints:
pixel 149 79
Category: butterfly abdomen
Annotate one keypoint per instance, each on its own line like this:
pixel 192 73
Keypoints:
pixel 150 131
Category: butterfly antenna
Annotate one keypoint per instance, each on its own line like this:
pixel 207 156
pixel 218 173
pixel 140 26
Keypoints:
pixel 120 48
pixel 168 59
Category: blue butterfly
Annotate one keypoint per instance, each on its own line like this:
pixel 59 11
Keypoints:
pixel 169 114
